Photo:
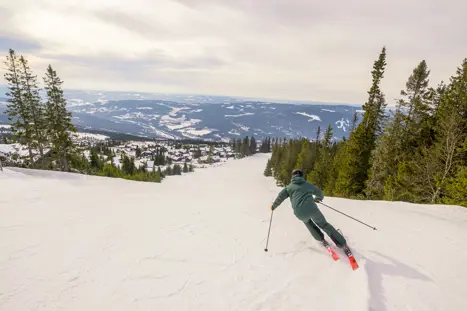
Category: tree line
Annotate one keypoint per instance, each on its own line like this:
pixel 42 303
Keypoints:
pixel 36 123
pixel 414 153
pixel 248 146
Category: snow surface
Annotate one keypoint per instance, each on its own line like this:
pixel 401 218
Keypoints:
pixel 343 124
pixel 8 148
pixel 239 115
pixel 311 116
pixel 77 242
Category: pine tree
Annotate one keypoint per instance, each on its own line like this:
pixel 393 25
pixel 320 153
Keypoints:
pixel 268 169
pixel 408 131
pixel 185 168
pixel 253 146
pixel 416 109
pixel 356 163
pixel 177 169
pixel 306 157
pixel 35 107
pixel 384 161
pixel 320 174
pixel 354 122
pixel 17 107
pixel 450 149
pixel 58 120
pixel 245 151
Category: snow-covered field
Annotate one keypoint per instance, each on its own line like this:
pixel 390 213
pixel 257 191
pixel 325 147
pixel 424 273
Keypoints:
pixel 196 242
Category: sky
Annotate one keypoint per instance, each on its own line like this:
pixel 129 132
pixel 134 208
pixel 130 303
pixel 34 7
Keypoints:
pixel 290 49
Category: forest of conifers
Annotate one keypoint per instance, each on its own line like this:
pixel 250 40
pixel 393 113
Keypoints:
pixel 414 153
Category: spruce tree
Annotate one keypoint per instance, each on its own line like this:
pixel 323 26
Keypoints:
pixel 356 163
pixel 305 159
pixel 253 146
pixel 268 169
pixel 450 149
pixel 385 160
pixel 35 107
pixel 58 120
pixel 320 174
pixel 17 108
pixel 245 151
pixel 408 131
pixel 416 109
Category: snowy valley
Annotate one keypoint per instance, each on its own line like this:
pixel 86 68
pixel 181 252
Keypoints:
pixel 214 118
pixel 99 150
pixel 79 242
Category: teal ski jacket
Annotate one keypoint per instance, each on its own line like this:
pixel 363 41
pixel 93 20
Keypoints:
pixel 302 195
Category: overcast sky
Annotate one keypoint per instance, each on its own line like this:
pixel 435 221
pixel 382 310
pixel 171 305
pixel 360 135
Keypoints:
pixel 288 49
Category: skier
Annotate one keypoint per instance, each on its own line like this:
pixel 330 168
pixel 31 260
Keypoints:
pixel 304 196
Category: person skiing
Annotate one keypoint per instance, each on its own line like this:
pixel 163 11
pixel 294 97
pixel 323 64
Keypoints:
pixel 304 196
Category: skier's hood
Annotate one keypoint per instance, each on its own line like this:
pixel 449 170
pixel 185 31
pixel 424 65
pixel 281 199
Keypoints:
pixel 298 179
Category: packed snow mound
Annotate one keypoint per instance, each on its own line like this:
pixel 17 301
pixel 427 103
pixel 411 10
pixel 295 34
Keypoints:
pixel 196 242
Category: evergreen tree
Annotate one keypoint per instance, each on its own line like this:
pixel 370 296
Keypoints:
pixel 268 169
pixel 34 106
pixel 356 163
pixel 245 151
pixel 320 174
pixel 58 120
pixel 416 109
pixel 307 157
pixel 385 159
pixel 408 131
pixel 449 153
pixel 185 168
pixel 253 146
pixel 339 153
pixel 17 108
pixel 177 169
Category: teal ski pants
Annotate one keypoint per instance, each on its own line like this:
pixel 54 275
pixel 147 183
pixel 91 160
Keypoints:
pixel 317 222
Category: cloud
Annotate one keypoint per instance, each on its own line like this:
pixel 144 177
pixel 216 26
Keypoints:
pixel 306 50
pixel 18 44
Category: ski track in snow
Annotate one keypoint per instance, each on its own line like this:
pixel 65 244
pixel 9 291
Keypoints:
pixel 76 242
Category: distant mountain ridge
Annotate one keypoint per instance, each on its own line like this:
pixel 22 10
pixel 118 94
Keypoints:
pixel 202 117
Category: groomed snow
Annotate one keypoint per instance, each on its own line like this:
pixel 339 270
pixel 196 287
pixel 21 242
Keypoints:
pixel 196 242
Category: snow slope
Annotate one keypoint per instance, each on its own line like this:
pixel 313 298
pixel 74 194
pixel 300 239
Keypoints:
pixel 196 242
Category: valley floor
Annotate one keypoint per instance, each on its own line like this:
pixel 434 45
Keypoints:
pixel 196 242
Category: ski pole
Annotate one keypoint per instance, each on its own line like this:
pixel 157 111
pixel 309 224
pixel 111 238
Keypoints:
pixel 267 241
pixel 374 228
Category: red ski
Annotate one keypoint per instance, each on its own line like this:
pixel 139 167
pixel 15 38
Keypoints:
pixel 334 255
pixel 348 253
pixel 353 262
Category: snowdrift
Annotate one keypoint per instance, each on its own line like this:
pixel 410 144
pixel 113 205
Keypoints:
pixel 196 242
